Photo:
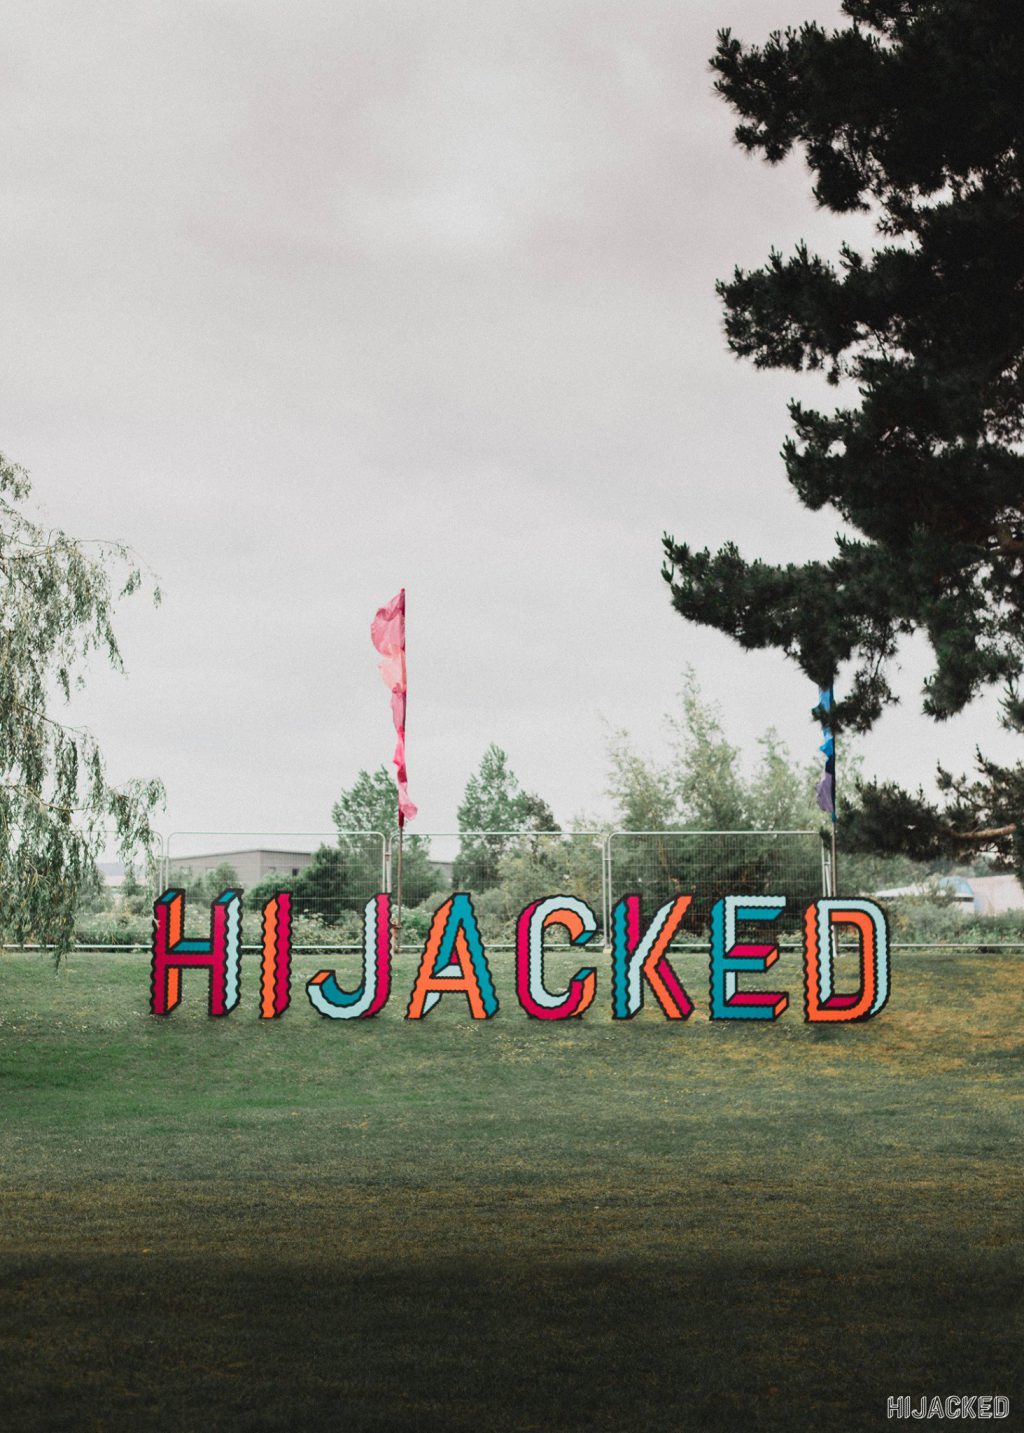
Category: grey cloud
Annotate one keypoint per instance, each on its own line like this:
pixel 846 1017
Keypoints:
pixel 311 301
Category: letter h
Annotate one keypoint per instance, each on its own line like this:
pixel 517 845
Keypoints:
pixel 221 955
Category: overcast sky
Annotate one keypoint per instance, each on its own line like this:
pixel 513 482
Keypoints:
pixel 311 301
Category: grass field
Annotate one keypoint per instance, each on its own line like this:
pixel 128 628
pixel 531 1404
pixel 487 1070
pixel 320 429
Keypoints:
pixel 236 1224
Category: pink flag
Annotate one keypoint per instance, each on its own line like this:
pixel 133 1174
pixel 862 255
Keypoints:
pixel 387 632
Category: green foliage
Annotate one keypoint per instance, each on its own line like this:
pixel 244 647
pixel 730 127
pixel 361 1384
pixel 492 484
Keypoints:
pixel 642 792
pixel 94 895
pixel 134 898
pixel 416 923
pixel 338 881
pixel 862 873
pixel 257 895
pixel 371 804
pixel 976 815
pixel 116 927
pixel 204 888
pixel 57 807
pixel 703 786
pixel 494 801
pixel 324 888
pixel 544 864
pixel 921 921
pixel 913 114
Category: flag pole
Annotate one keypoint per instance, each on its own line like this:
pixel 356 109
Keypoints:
pixel 825 795
pixel 835 858
pixel 397 923
pixel 835 801
pixel 387 633
pixel 401 817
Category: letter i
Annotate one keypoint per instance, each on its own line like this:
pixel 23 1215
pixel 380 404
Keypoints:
pixel 276 962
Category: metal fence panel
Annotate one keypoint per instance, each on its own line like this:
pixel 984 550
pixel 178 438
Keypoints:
pixel 707 865
pixel 331 876
pixel 117 910
pixel 505 870
pixel 335 875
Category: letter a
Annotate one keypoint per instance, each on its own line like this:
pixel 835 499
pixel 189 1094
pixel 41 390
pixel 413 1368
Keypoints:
pixel 454 959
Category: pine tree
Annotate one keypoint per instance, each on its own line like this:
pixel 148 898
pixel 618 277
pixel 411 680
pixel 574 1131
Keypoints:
pixel 912 113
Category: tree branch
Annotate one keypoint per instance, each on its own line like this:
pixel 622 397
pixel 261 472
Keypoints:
pixel 40 801
pixel 991 833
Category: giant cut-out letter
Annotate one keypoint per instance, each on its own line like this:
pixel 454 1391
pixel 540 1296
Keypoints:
pixel 454 960
pixel 822 1002
pixel 635 960
pixel 729 960
pixel 535 998
pixel 221 955
pixel 276 957
pixel 371 995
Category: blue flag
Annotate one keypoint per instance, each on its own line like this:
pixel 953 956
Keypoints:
pixel 826 790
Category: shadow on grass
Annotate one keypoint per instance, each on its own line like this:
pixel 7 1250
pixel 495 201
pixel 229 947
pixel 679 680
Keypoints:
pixel 158 1342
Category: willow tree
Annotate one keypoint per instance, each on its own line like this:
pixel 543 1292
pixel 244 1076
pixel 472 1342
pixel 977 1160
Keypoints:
pixel 57 807
pixel 912 113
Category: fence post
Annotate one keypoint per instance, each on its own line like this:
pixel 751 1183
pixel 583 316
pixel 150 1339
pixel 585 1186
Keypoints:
pixel 606 888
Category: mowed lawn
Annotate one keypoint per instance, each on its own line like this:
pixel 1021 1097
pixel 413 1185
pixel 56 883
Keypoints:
pixel 304 1223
